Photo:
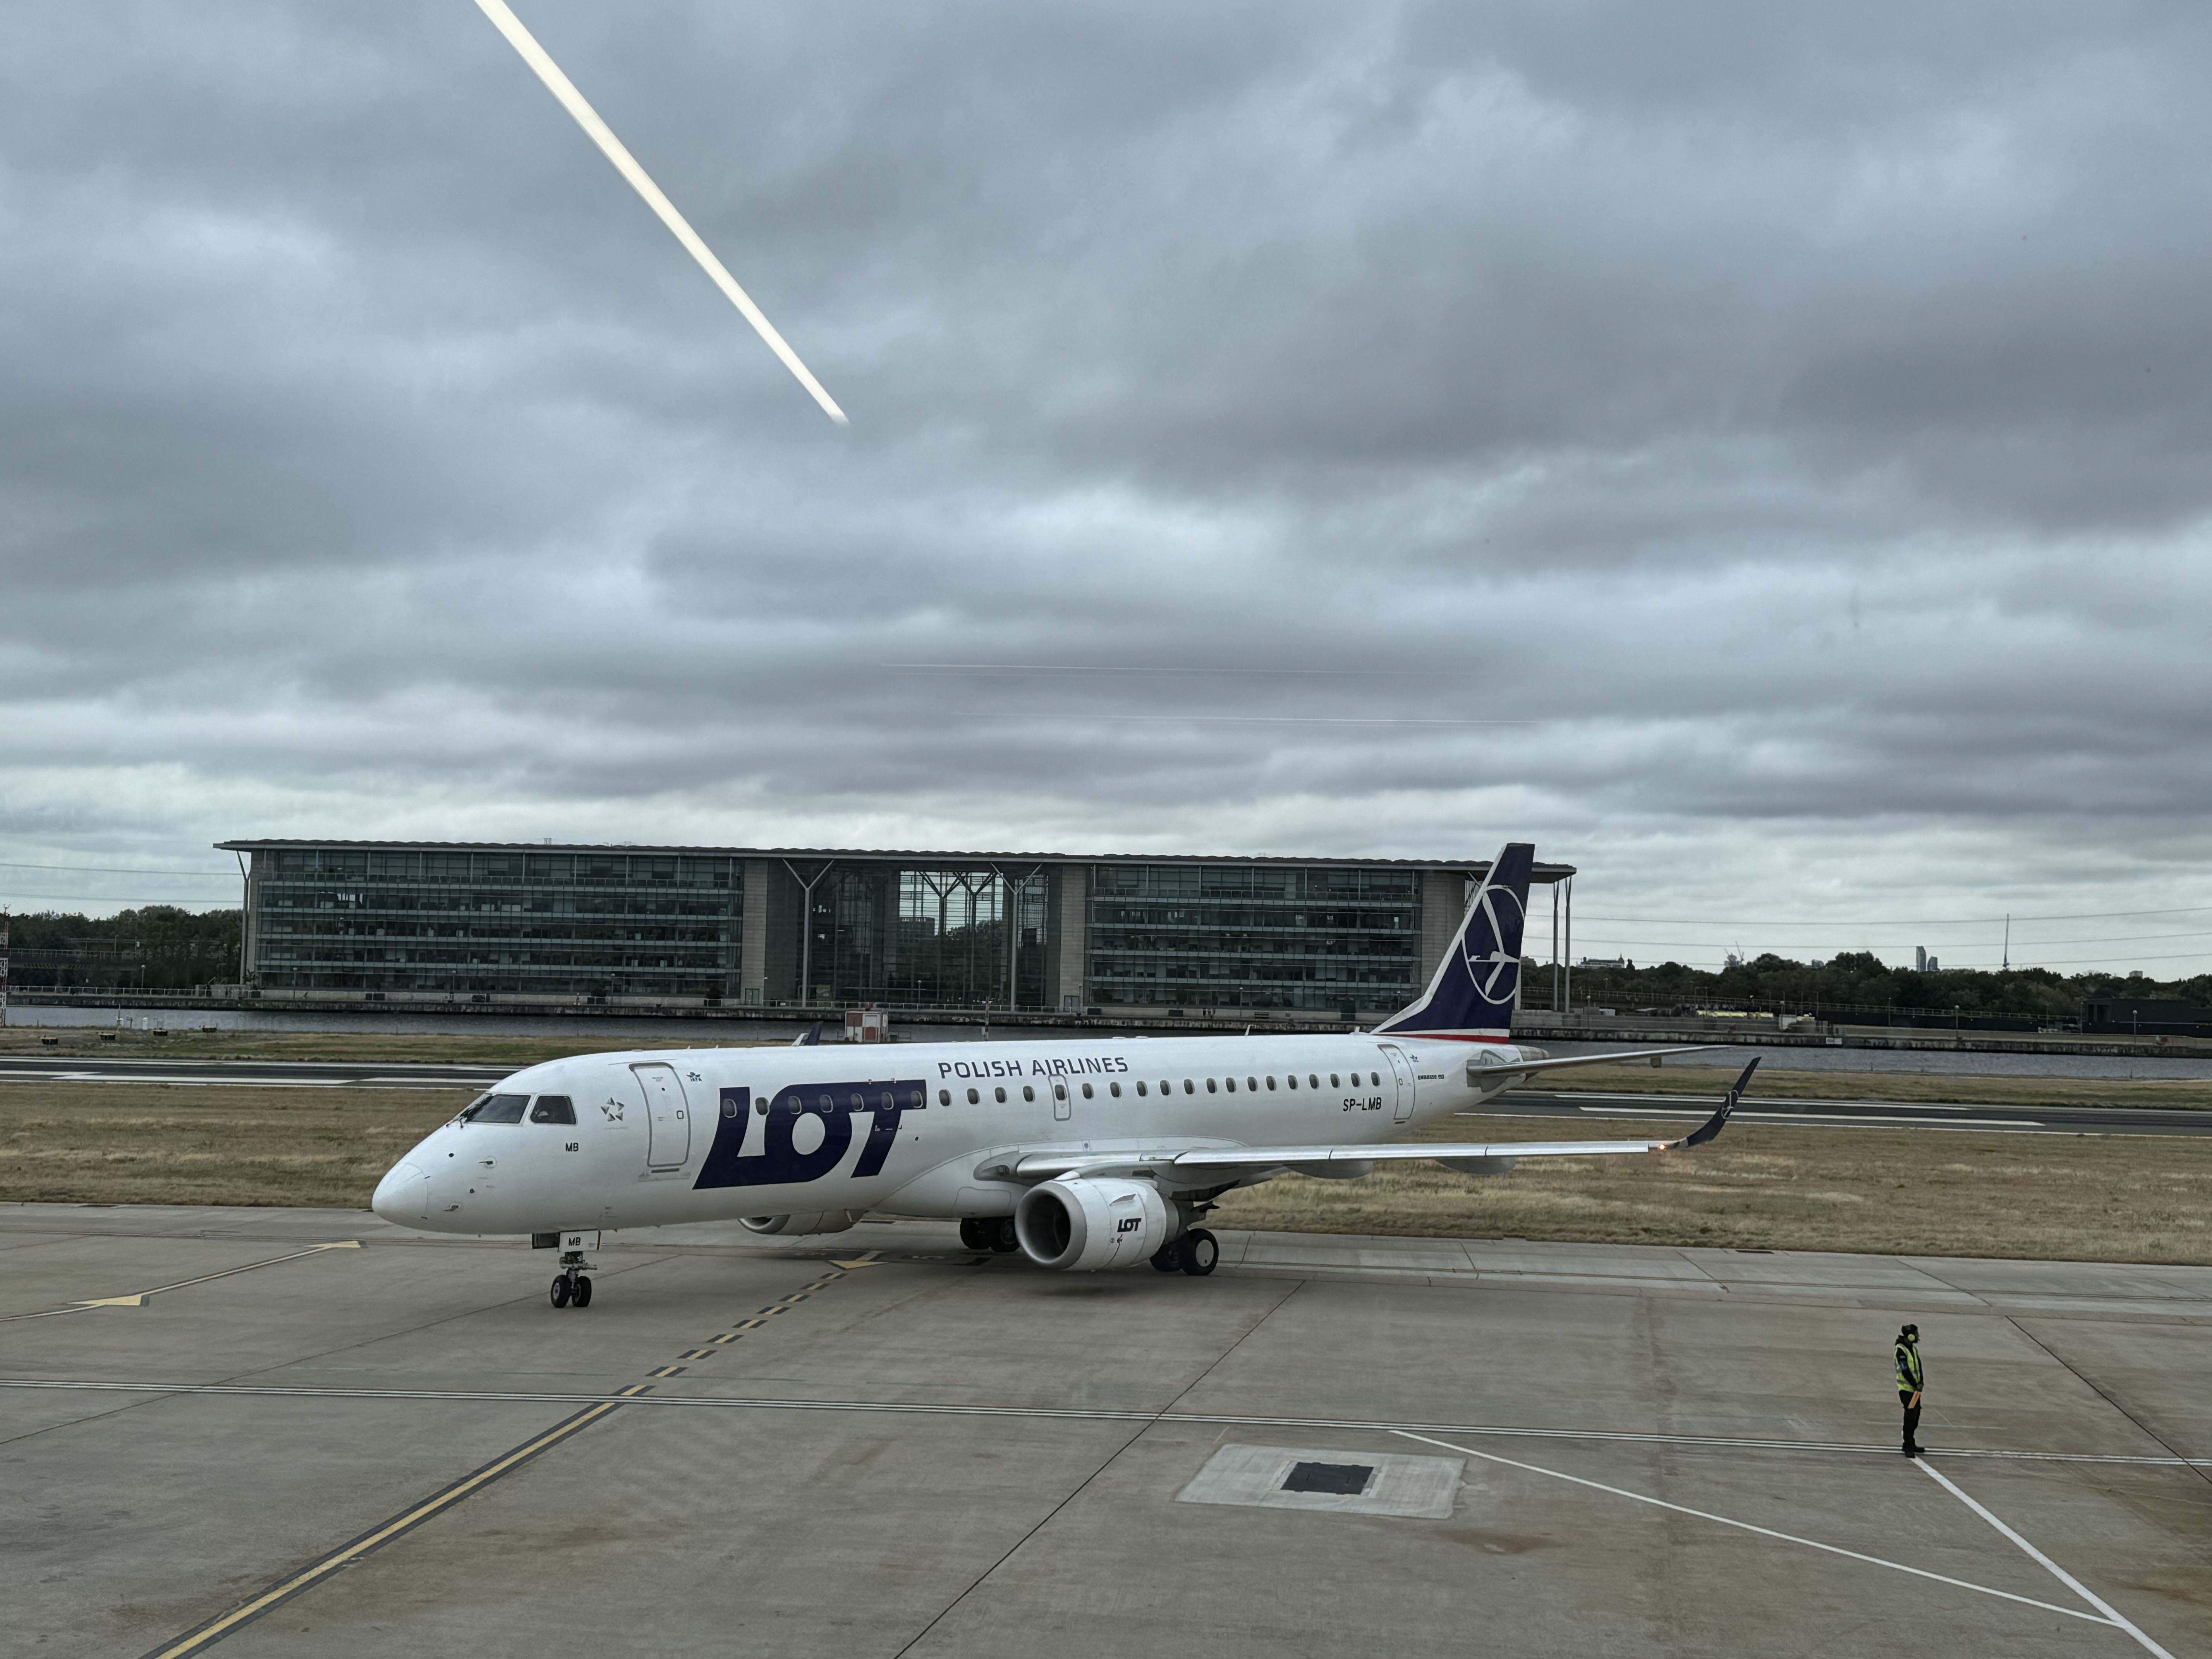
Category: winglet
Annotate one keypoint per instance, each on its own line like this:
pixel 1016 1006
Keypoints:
pixel 1713 1125
pixel 809 1037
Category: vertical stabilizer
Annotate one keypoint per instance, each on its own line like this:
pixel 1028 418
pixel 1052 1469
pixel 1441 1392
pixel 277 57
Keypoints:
pixel 1470 996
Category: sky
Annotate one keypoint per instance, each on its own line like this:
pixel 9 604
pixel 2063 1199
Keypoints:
pixel 1762 455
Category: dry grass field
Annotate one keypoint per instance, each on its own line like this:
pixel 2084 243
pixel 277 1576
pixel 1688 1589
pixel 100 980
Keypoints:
pixel 2087 1198
pixel 131 1143
pixel 2093 1197
pixel 1680 1077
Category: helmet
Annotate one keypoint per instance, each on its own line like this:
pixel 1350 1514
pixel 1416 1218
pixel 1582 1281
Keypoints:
pixel 1911 1331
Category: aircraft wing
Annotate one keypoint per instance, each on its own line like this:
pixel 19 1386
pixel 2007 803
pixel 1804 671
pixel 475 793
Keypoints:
pixel 1470 1158
pixel 1481 1066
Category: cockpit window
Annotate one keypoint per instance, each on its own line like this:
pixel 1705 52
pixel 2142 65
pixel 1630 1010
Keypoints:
pixel 553 1109
pixel 494 1109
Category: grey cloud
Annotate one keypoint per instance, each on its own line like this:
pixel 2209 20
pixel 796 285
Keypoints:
pixel 1798 420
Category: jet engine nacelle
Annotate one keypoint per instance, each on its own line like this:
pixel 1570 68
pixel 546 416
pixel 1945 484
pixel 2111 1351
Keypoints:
pixel 1083 1225
pixel 806 1221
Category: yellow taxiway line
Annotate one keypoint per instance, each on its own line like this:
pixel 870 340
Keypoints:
pixel 139 1299
pixel 376 1537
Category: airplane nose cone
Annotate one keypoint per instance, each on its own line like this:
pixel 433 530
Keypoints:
pixel 404 1195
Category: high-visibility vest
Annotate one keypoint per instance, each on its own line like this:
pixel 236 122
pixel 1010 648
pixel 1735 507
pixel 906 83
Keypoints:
pixel 1908 1368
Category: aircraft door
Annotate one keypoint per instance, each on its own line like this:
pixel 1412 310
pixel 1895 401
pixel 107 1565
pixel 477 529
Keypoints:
pixel 1402 1070
pixel 667 1118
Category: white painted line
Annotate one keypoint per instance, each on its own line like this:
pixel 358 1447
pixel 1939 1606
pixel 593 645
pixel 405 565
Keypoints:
pixel 2113 1614
pixel 163 1079
pixel 602 135
pixel 1764 1532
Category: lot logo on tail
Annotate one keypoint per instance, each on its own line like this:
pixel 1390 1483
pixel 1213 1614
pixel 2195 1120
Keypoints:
pixel 1472 994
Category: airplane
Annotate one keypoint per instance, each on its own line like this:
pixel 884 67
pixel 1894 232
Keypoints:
pixel 1082 1155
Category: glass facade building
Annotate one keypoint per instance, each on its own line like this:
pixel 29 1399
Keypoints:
pixel 1254 936
pixel 777 927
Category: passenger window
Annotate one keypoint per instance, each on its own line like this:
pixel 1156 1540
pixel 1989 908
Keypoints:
pixel 553 1109
pixel 1375 1078
pixel 974 1099
pixel 1059 1091
pixel 1116 1089
pixel 1166 1087
pixel 1313 1080
pixel 1292 1080
pixel 495 1108
pixel 1028 1092
pixel 944 1098
pixel 1188 1087
pixel 1211 1088
pixel 1001 1095
pixel 918 1098
pixel 1271 1082
pixel 1086 1091
pixel 1253 1084
pixel 1333 1083
pixel 861 1105
pixel 827 1105
pixel 1232 1086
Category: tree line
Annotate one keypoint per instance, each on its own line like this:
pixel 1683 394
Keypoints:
pixel 1859 981
pixel 159 948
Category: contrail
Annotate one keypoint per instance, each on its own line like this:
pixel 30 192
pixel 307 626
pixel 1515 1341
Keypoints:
pixel 626 164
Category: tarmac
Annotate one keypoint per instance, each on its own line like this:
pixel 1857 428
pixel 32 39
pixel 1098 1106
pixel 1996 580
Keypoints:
pixel 303 1432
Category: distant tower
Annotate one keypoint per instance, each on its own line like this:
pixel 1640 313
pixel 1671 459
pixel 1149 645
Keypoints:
pixel 1920 962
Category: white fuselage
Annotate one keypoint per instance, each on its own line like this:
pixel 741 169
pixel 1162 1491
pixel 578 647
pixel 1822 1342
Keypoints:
pixel 921 1129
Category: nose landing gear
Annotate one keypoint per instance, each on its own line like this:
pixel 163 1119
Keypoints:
pixel 571 1289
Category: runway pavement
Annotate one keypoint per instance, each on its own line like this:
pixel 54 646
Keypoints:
pixel 303 1432
pixel 285 1074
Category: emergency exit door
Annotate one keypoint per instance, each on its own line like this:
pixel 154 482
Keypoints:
pixel 1402 1071
pixel 667 1118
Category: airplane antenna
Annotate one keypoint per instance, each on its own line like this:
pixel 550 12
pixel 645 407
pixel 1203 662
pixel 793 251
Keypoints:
pixel 626 164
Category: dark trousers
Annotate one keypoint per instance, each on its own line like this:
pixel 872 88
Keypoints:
pixel 1911 1419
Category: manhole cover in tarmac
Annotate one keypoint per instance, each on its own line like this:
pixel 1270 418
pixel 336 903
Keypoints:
pixel 1348 1483
pixel 1348 1479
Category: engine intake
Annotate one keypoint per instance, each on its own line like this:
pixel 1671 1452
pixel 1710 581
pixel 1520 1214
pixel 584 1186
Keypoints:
pixel 1083 1225
pixel 806 1221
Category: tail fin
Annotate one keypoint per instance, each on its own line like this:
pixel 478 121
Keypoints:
pixel 1470 996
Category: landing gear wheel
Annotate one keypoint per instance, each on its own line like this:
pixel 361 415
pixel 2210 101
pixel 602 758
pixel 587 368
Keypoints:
pixel 581 1294
pixel 1004 1240
pixel 1168 1257
pixel 1200 1251
pixel 561 1291
pixel 976 1233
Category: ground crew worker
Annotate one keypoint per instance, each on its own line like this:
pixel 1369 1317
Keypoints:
pixel 1911 1375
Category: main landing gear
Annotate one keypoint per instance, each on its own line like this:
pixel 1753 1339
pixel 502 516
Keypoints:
pixel 571 1289
pixel 989 1232
pixel 1196 1252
